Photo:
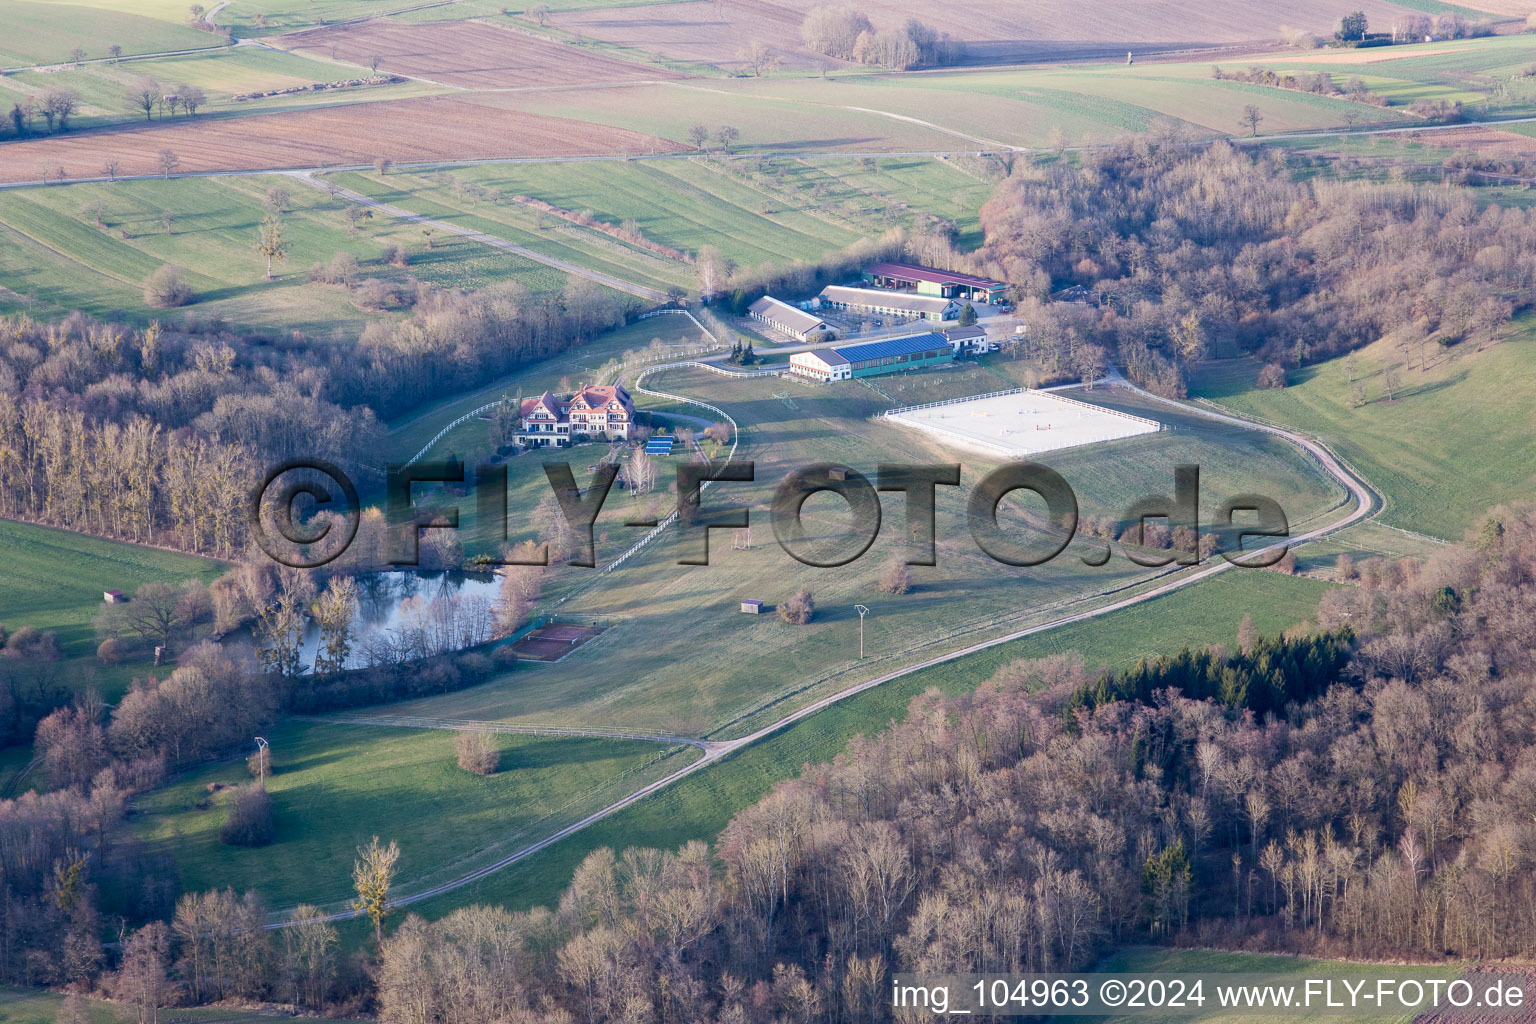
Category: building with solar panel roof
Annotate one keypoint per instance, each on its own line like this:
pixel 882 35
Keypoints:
pixel 872 358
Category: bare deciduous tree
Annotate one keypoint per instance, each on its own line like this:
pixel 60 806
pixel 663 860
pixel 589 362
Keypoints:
pixel 372 875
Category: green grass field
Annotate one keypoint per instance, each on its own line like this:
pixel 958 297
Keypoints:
pixel 53 580
pixel 45 33
pixel 1169 963
pixel 59 260
pixel 221 74
pixel 699 806
pixel 1453 443
pixel 337 785
pixel 754 212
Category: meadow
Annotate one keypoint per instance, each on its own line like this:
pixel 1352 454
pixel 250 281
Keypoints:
pixel 699 806
pixel 62 261
pixel 753 211
pixel 45 33
pixel 221 73
pixel 666 615
pixel 336 785
pixel 53 580
pixel 1454 441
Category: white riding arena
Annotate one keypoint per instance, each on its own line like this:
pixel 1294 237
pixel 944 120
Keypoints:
pixel 1021 422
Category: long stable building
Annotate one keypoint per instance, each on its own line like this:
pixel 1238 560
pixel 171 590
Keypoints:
pixel 903 304
pixel 787 319
pixel 872 358
pixel 944 284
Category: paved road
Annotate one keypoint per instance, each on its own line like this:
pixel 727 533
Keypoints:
pixel 650 294
pixel 1366 503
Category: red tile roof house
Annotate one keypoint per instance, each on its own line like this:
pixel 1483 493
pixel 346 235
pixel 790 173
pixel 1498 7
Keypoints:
pixel 598 410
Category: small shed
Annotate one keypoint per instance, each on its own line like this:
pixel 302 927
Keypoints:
pixel 751 607
pixel 113 596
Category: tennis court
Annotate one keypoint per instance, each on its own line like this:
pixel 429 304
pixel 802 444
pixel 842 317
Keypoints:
pixel 555 641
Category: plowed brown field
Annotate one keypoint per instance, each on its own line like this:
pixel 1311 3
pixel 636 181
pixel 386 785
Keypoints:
pixel 435 128
pixel 472 54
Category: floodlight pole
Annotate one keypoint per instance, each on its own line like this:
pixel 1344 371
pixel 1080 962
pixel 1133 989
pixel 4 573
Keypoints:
pixel 862 612
pixel 261 762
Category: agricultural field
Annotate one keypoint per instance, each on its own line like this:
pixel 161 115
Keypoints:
pixel 336 785
pixel 222 74
pixel 53 581
pixel 1052 105
pixel 710 33
pixel 1450 444
pixel 435 195
pixel 45 33
pixel 469 54
pixel 967 597
pixel 424 129
pixel 63 260
pixel 753 213
pixel 699 806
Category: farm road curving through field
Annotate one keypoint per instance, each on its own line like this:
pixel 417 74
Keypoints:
pixel 1366 504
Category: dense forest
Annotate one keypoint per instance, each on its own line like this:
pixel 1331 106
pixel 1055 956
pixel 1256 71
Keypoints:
pixel 158 434
pixel 1187 252
pixel 1365 786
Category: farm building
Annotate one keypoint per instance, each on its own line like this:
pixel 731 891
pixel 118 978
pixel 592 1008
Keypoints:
pixel 969 339
pixel 872 300
pixel 945 284
pixel 872 358
pixel 823 365
pixel 599 410
pixel 787 319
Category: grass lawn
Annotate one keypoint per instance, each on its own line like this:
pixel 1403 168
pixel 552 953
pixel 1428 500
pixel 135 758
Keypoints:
pixel 65 262
pixel 221 74
pixel 1170 963
pixel 336 785
pixel 53 579
pixel 1454 442
pixel 45 33
pixel 699 806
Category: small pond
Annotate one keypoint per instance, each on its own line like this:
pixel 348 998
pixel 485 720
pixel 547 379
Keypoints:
pixel 407 614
